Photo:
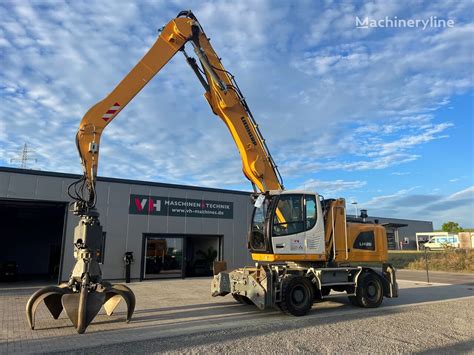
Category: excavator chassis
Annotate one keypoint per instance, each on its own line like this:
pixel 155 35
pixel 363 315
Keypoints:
pixel 266 284
pixel 85 293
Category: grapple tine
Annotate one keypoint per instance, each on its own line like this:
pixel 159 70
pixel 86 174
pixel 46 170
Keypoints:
pixel 71 306
pixel 95 300
pixel 52 297
pixel 113 295
pixel 53 303
pixel 112 300
pixel 82 307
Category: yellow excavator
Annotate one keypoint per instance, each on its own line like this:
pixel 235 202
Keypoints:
pixel 303 244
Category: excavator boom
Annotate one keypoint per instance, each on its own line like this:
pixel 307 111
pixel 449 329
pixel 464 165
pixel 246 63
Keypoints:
pixel 221 92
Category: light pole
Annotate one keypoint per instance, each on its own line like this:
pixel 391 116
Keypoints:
pixel 355 205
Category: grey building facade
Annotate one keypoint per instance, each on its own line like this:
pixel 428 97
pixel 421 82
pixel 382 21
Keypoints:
pixel 401 233
pixel 172 230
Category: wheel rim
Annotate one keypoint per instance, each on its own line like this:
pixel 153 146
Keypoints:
pixel 372 291
pixel 298 296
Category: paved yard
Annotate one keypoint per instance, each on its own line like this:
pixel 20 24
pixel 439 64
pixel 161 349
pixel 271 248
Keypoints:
pixel 180 316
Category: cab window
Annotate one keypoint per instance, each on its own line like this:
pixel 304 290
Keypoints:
pixel 288 217
pixel 310 211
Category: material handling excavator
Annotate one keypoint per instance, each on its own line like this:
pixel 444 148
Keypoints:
pixel 304 245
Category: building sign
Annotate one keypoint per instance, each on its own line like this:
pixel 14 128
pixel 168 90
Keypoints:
pixel 181 207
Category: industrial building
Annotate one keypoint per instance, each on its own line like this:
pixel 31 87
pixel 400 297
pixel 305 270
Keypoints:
pixel 172 230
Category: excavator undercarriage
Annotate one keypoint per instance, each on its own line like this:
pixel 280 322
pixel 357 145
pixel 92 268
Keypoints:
pixel 305 255
pixel 293 287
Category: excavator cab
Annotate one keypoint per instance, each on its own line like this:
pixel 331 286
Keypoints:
pixel 305 247
pixel 287 225
pixel 302 226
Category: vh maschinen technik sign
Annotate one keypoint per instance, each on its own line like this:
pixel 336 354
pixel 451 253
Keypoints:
pixel 174 206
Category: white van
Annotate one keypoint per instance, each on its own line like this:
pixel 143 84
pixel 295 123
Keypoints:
pixel 441 242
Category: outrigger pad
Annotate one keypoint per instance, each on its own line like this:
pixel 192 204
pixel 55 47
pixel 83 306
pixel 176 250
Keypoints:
pixel 220 285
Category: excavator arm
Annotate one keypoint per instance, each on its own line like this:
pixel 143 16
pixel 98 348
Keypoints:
pixel 221 92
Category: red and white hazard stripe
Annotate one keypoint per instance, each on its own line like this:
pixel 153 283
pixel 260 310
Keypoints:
pixel 111 112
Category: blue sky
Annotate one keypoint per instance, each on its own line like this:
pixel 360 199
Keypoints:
pixel 382 116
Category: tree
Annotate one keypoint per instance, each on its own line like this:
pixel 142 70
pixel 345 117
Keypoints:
pixel 452 227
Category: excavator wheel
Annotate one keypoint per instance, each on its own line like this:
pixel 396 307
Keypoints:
pixel 369 291
pixel 297 295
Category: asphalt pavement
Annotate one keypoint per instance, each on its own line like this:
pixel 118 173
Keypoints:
pixel 435 328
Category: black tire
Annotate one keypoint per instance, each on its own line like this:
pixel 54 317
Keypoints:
pixel 242 299
pixel 354 301
pixel 297 295
pixel 369 291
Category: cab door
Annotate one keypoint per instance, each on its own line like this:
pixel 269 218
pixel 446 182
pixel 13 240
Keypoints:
pixel 287 228
pixel 314 225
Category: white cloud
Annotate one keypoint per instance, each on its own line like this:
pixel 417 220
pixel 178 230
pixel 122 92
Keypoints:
pixel 436 207
pixel 330 187
pixel 464 194
pixel 399 173
pixel 326 96
pixel 383 200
